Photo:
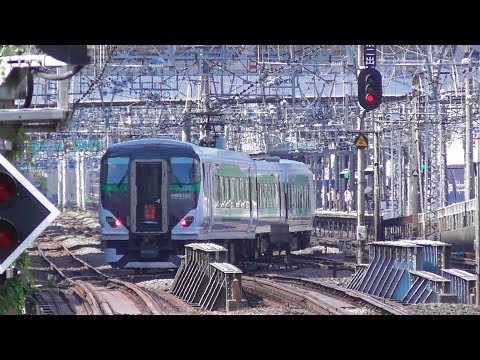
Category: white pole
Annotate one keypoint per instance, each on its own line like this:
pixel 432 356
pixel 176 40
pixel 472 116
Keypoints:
pixel 77 178
pixel 60 183
pixel 82 180
pixel 64 181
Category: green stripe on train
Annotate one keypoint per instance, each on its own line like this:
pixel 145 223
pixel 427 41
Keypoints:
pixel 232 214
pixel 185 188
pixel 113 187
pixel 301 179
pixel 268 211
pixel 299 211
pixel 267 179
pixel 173 188
pixel 231 171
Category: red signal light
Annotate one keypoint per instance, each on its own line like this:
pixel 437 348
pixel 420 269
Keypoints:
pixel 7 234
pixel 8 187
pixel 370 98
pixel 184 223
pixel 117 222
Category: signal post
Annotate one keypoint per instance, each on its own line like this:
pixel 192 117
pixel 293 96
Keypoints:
pixel 369 98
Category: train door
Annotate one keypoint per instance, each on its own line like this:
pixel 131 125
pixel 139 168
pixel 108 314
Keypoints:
pixel 282 199
pixel 148 195
pixel 251 190
pixel 208 195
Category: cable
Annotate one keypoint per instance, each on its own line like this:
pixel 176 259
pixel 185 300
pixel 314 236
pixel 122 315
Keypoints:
pixel 66 75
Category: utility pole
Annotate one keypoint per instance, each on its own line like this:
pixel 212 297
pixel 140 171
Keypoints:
pixel 361 230
pixel 469 177
pixel 64 180
pixel 376 184
pixel 77 181
pixel 477 228
pixel 324 182
pixel 82 181
pixel 415 181
pixel 442 160
pixel 415 175
pixel 187 122
pixel 60 183
pixel 360 178
pixel 186 129
pixel 329 188
pixel 206 97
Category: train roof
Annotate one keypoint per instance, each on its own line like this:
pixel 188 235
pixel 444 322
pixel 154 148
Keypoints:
pixel 293 166
pixel 164 141
pixel 214 154
pixel 263 165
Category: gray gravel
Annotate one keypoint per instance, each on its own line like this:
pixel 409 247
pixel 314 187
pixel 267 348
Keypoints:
pixel 80 241
pixel 156 284
pixel 87 250
pixel 443 309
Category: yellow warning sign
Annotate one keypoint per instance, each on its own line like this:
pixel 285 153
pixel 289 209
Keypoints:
pixel 361 142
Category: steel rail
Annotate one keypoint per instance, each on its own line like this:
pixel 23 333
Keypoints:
pixel 383 305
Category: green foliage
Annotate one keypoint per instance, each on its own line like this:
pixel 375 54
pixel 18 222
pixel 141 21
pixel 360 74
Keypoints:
pixel 6 50
pixel 21 146
pixel 13 292
pixel 40 182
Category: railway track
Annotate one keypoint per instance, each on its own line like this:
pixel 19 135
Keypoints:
pixel 85 289
pixel 320 298
pixel 101 293
pixel 322 262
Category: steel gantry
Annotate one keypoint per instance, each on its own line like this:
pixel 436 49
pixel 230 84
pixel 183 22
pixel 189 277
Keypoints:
pixel 263 98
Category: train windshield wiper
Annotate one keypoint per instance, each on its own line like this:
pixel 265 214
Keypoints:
pixel 122 179
pixel 176 177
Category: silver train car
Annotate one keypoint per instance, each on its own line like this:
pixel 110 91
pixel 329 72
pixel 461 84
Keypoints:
pixel 156 195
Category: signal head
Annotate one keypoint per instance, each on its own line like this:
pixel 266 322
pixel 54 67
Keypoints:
pixel 24 213
pixel 369 88
pixel 8 189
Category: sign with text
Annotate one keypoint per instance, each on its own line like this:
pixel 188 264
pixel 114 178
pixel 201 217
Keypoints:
pixel 370 55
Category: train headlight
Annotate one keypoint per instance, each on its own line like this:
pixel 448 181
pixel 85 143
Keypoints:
pixel 187 221
pixel 114 223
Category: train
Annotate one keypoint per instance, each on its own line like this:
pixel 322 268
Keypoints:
pixel 159 194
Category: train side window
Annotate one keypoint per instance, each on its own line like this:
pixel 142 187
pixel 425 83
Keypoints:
pixel 244 193
pixel 246 204
pixel 240 196
pixel 277 195
pixel 270 196
pixel 217 195
pixel 262 196
pixel 224 192
pixel 236 200
pixel 289 196
pixel 307 197
pixel 246 182
pixel 229 192
pixel 292 195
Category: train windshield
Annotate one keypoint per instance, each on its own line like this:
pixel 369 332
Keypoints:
pixel 184 170
pixel 116 171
